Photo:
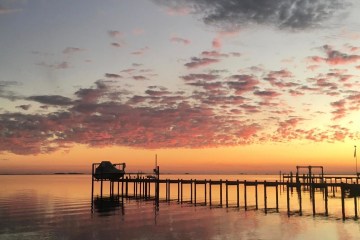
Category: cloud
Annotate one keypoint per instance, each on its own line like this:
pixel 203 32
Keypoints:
pixel 340 110
pixel 24 107
pixel 61 65
pixel 180 40
pixel 202 76
pixel 214 54
pixel 141 51
pixel 335 57
pixel 139 78
pixel 112 75
pixel 242 83
pixel 283 14
pixel 71 50
pixel 200 62
pixel 114 34
pixel 117 36
pixel 266 94
pixel 8 94
pixel 115 44
pixel 216 43
pixel 280 79
pixel 56 100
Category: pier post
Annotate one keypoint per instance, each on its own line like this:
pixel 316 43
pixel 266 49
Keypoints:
pixel 355 208
pixel 122 187
pixel 101 188
pixel 245 200
pixel 220 192
pixel 205 191
pixel 226 193
pixel 178 183
pixel 92 184
pixel 191 191
pixel 326 200
pixel 167 190
pixel 195 192
pixel 355 205
pixel 343 200
pixel 256 195
pixel 145 189
pixel 140 187
pixel 313 198
pixel 210 192
pixel 277 196
pixel 127 187
pixel 181 184
pixel 237 194
pixel 265 197
pixel 288 198
pixel 300 201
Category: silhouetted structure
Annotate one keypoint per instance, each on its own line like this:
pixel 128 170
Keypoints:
pixel 149 189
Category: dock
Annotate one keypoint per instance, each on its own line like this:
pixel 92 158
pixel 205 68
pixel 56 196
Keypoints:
pixel 215 193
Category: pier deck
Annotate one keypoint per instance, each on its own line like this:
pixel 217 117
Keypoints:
pixel 140 187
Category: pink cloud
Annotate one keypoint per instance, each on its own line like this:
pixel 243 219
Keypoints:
pixel 200 62
pixel 138 31
pixel 335 57
pixel 213 54
pixel 178 11
pixel 180 40
pixel 216 43
pixel 141 51
pixel 340 110
pixel 242 83
pixel 194 77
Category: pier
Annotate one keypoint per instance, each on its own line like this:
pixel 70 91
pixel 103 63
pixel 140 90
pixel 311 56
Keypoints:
pixel 215 193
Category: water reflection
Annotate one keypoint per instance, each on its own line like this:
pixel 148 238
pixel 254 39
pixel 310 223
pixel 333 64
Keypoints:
pixel 30 213
pixel 107 205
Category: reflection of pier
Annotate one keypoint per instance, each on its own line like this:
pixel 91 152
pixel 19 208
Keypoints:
pixel 141 186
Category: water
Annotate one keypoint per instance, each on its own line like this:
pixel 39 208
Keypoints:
pixel 59 207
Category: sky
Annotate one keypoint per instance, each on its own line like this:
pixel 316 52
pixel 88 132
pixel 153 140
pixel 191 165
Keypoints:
pixel 251 86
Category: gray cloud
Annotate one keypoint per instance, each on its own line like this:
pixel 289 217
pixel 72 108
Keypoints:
pixel 51 100
pixel 284 14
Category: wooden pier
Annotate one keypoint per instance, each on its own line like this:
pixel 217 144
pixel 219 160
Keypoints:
pixel 148 188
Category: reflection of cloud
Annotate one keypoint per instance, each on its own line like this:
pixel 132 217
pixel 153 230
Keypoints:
pixel 284 14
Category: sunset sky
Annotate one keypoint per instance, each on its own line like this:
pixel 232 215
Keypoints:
pixel 208 86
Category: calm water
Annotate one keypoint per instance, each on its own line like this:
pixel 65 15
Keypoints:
pixel 59 207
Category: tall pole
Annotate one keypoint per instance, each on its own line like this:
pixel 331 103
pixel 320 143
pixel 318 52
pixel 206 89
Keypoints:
pixel 355 160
